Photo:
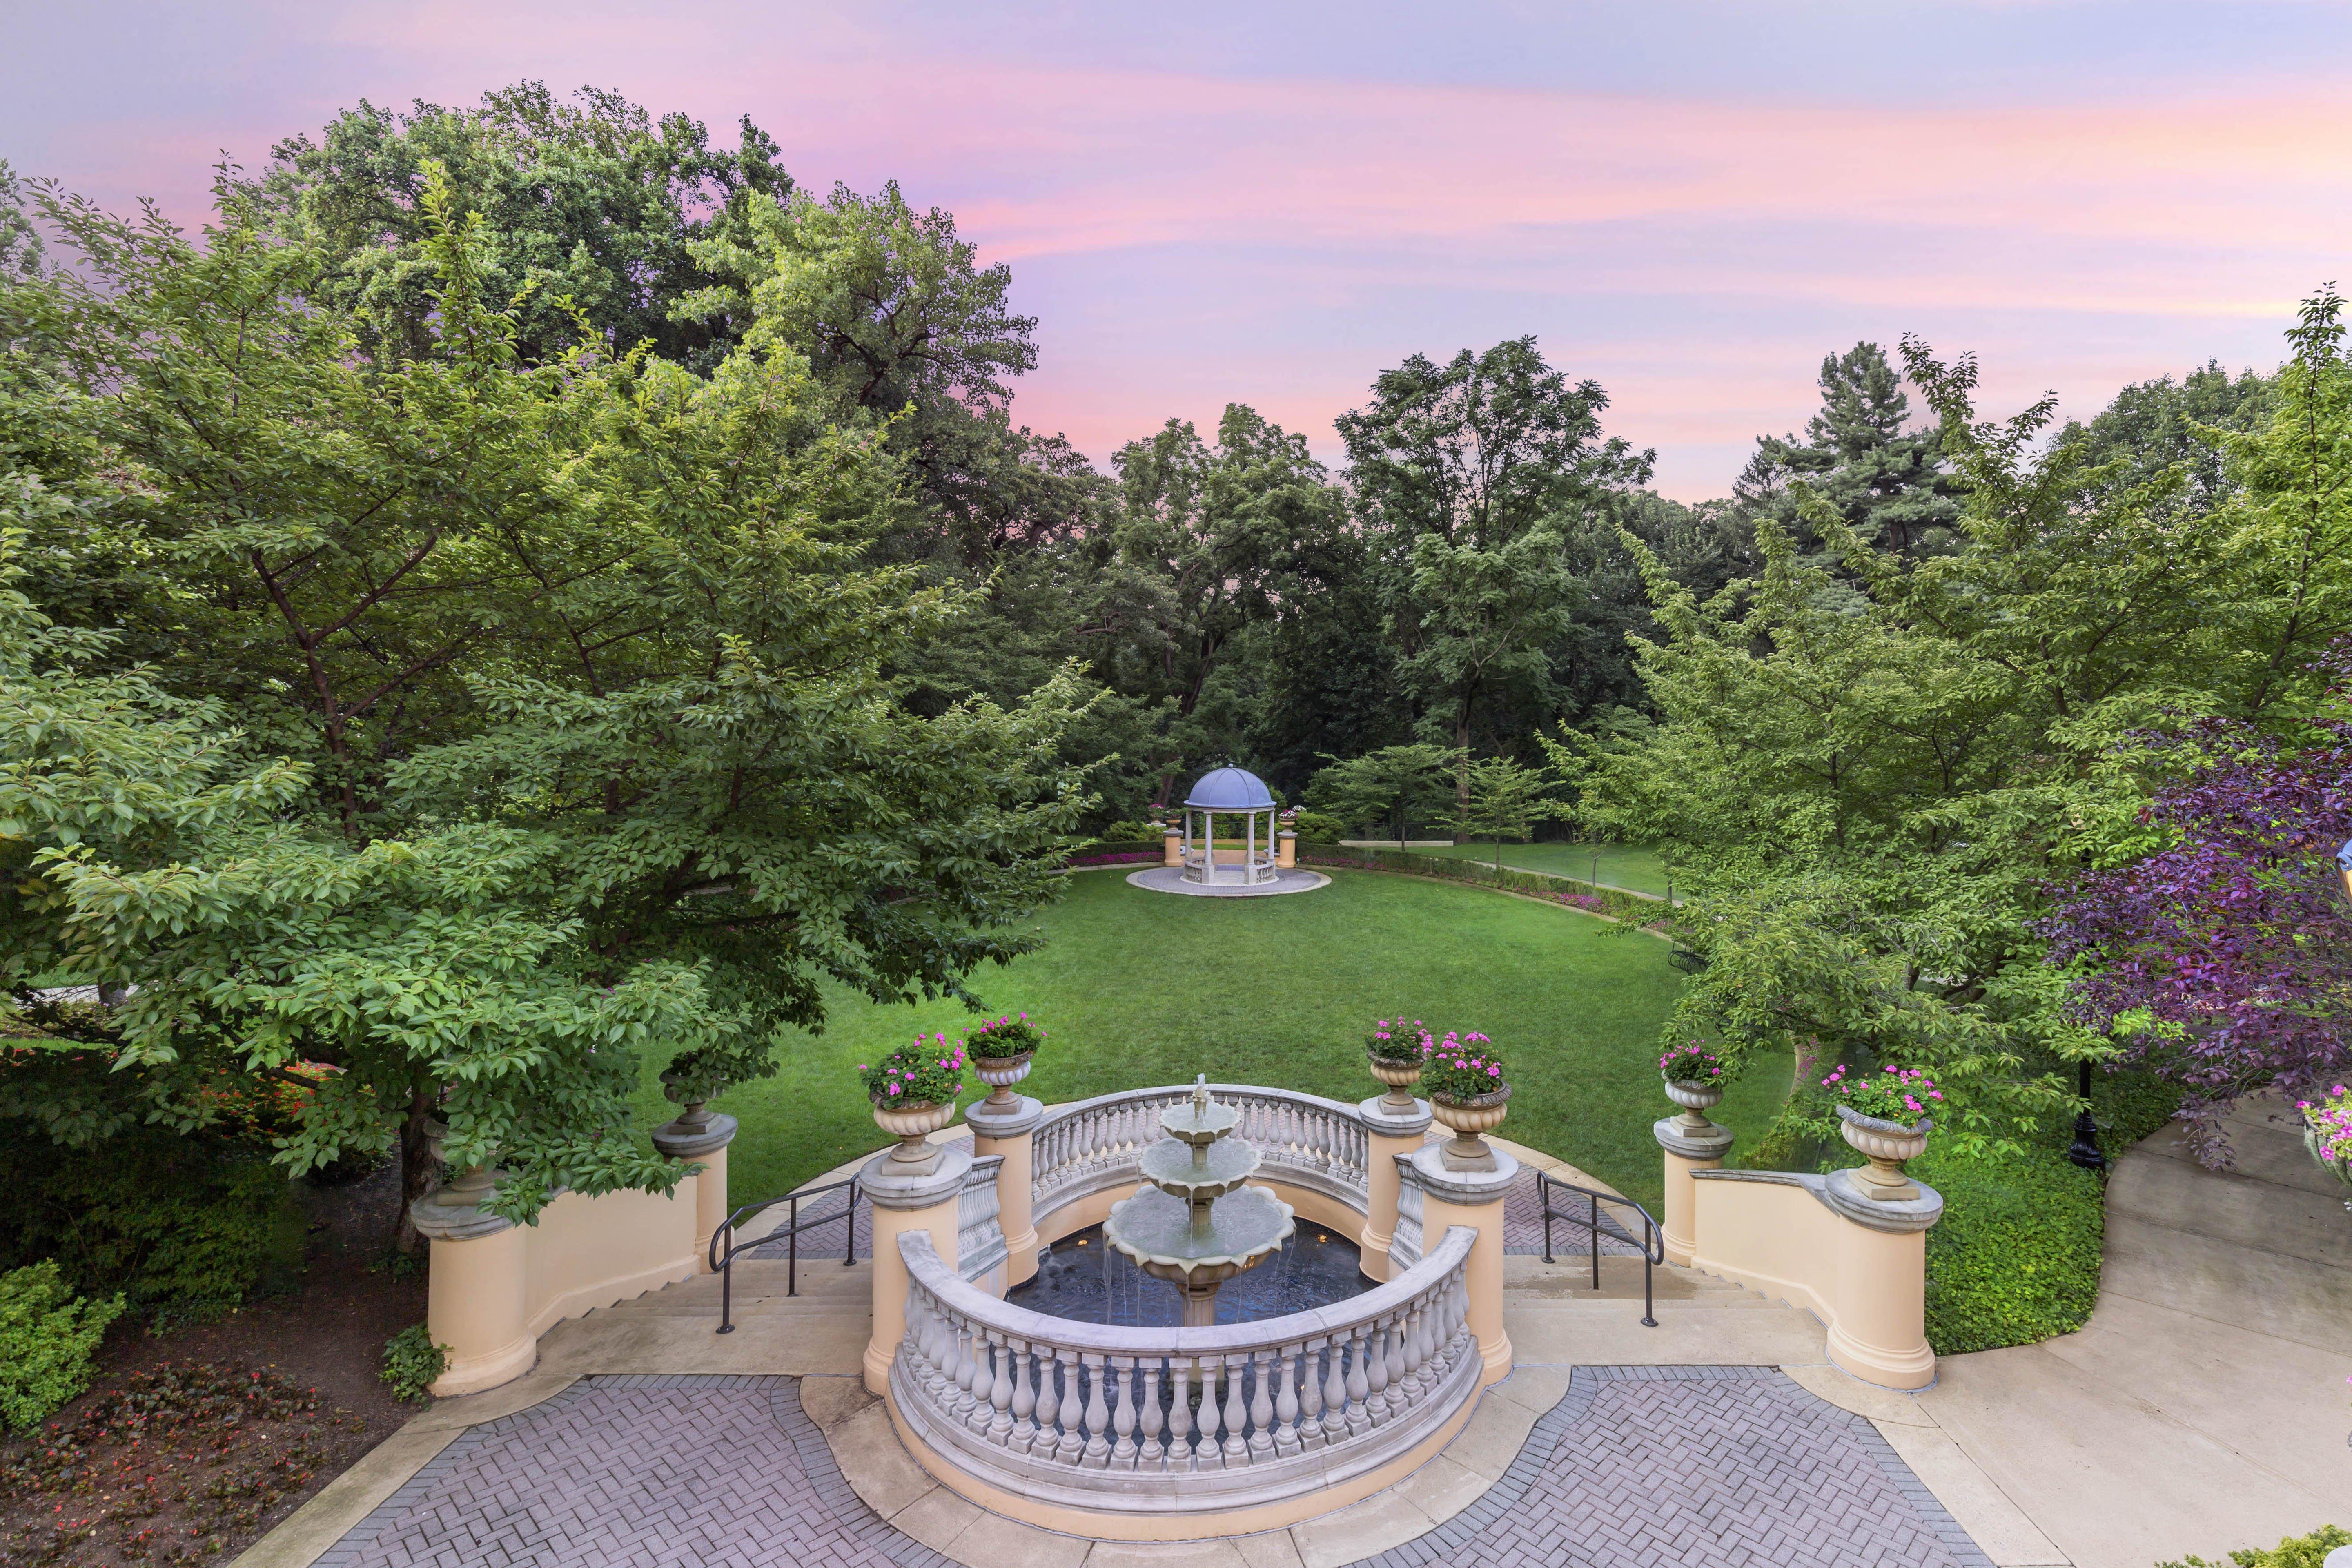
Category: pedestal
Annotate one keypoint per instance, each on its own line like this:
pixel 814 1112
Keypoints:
pixel 1007 1131
pixel 1286 854
pixel 1389 1131
pixel 1687 1149
pixel 473 1302
pixel 1474 1198
pixel 703 1139
pixel 902 1203
pixel 1172 848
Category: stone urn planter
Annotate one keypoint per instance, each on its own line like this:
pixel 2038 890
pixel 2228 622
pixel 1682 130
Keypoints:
pixel 1697 1099
pixel 1468 1119
pixel 676 1088
pixel 912 1126
pixel 1001 1073
pixel 1399 1076
pixel 1887 1145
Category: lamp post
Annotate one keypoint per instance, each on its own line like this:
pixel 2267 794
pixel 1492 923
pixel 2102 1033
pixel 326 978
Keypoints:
pixel 2085 1150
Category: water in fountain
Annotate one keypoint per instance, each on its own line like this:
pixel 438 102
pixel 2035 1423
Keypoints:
pixel 1196 1222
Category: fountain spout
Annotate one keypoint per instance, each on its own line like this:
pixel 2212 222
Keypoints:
pixel 1196 1222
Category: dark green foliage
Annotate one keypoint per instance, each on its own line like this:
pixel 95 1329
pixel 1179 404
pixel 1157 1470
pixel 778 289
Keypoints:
pixel 46 1336
pixel 2291 1552
pixel 1889 485
pixel 412 1363
pixel 186 1229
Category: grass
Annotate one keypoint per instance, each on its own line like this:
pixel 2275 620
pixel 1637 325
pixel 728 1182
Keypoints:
pixel 1137 988
pixel 1633 866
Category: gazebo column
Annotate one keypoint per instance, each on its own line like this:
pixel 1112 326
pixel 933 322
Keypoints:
pixel 1249 848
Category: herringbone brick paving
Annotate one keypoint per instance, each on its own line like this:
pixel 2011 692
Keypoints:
pixel 1657 1466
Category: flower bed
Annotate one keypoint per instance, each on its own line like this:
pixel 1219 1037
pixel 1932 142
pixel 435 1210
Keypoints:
pixel 2328 1130
pixel 170 1466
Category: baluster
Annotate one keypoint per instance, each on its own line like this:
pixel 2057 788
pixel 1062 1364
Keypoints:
pixel 1335 1392
pixel 1000 1392
pixel 1285 1405
pixel 1358 1419
pixel 1376 1373
pixel 1097 1417
pixel 1153 1453
pixel 959 1402
pixel 1024 1399
pixel 1122 1421
pixel 1310 1395
pixel 1416 1325
pixel 1180 1416
pixel 1072 1443
pixel 1236 1413
pixel 1049 1406
pixel 1392 1350
pixel 1207 1454
pixel 983 1380
pixel 1261 1442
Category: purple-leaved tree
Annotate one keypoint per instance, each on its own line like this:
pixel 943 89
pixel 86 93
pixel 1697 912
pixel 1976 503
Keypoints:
pixel 2224 961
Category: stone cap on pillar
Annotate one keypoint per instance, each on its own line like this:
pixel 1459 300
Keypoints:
pixel 1676 1139
pixel 684 1140
pixel 889 1190
pixel 1464 1187
pixel 1382 1118
pixel 988 1122
pixel 455 1213
pixel 1838 1194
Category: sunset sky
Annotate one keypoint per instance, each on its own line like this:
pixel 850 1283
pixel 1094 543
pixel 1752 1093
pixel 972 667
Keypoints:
pixel 1270 202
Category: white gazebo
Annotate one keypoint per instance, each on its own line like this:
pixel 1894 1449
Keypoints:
pixel 1229 792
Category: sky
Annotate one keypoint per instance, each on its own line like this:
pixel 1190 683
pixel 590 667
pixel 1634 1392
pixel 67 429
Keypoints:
pixel 1228 201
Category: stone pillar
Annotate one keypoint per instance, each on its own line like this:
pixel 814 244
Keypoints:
pixel 1687 1148
pixel 1171 844
pixel 902 1203
pixel 1879 1332
pixel 1007 1131
pixel 1388 1132
pixel 699 1136
pixel 1285 857
pixel 1474 1198
pixel 474 1297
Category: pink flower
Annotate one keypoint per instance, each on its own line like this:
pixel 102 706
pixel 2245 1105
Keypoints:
pixel 894 1088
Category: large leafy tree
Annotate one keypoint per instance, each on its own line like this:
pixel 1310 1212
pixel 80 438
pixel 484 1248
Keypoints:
pixel 579 676
pixel 1472 476
pixel 591 204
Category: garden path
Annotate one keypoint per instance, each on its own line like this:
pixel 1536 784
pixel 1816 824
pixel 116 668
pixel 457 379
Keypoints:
pixel 2203 1408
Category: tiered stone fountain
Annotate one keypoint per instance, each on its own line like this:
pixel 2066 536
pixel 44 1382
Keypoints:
pixel 1196 1222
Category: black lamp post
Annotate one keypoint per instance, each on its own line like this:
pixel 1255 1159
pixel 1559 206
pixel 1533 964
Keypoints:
pixel 2085 1150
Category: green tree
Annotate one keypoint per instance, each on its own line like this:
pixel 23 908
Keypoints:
pixel 1396 786
pixel 594 209
pixel 581 676
pixel 1888 485
pixel 1506 800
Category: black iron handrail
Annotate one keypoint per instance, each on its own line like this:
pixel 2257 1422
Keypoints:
pixel 723 1263
pixel 1652 1241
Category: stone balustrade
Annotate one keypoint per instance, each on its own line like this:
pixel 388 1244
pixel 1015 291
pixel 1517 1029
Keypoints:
pixel 1304 1139
pixel 1166 1432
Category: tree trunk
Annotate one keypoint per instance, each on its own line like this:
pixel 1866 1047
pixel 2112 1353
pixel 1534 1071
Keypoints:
pixel 1462 777
pixel 417 1173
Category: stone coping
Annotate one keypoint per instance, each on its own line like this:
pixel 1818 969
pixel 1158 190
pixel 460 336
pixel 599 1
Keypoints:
pixel 1837 1193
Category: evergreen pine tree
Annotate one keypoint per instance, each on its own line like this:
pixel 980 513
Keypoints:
pixel 1891 485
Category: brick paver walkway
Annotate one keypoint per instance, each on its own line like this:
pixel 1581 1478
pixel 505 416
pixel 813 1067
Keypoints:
pixel 1720 1467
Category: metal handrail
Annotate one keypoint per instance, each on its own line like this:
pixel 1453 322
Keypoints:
pixel 723 1264
pixel 1652 1241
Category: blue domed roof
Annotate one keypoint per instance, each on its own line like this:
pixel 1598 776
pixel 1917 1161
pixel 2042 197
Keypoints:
pixel 1230 789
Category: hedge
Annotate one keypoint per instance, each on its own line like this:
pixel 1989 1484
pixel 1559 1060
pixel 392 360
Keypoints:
pixel 1575 892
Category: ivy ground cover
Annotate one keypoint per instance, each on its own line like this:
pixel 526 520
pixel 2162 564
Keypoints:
pixel 1137 988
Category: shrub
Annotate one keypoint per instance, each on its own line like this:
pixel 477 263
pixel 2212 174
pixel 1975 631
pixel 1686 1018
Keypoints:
pixel 1005 1037
pixel 929 1072
pixel 2295 1552
pixel 1317 827
pixel 1460 1067
pixel 413 1362
pixel 184 1228
pixel 46 1335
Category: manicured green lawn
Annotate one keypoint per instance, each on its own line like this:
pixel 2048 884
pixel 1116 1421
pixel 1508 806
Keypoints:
pixel 1137 988
pixel 1634 867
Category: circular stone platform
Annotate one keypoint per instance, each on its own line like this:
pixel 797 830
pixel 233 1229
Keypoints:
pixel 1170 879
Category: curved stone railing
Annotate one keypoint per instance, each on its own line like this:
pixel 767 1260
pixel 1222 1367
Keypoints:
pixel 1173 1421
pixel 1302 1139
